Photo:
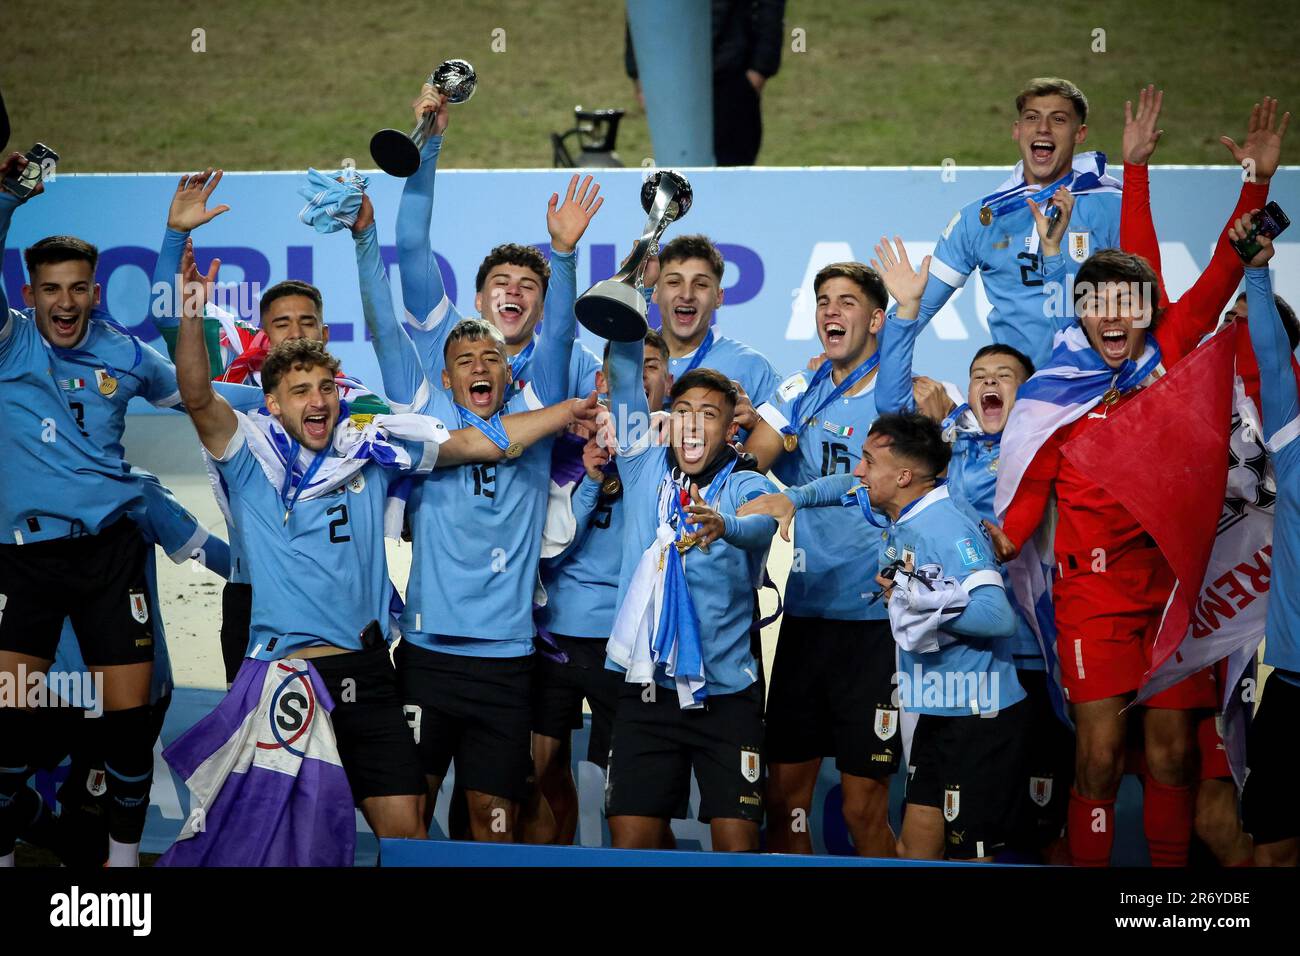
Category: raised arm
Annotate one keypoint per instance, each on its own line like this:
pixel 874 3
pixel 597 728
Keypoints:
pixel 13 164
pixel 628 407
pixel 188 211
pixel 1137 231
pixel 1199 309
pixel 1272 346
pixel 405 384
pixel 211 414
pixel 566 222
pixel 898 337
pixel 430 314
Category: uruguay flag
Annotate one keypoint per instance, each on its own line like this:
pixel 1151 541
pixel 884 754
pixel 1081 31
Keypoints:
pixel 266 784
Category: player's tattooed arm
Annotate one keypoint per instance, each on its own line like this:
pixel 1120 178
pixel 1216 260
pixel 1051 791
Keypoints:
pixel 468 445
pixel 211 414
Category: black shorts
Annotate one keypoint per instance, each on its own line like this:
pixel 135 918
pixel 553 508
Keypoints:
pixel 832 695
pixel 236 623
pixel 96 580
pixel 1049 759
pixel 972 769
pixel 1267 811
pixel 559 689
pixel 657 745
pixel 374 739
pixel 476 711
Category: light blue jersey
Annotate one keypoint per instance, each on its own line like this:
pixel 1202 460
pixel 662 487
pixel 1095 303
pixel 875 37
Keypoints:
pixel 477 538
pixel 321 576
pixel 722 580
pixel 1006 253
pixel 973 469
pixel 973 675
pixel 582 581
pixel 1281 414
pixel 736 361
pixel 826 576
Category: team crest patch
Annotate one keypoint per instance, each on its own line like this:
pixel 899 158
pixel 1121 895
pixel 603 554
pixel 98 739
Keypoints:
pixel 909 555
pixel 1040 790
pixel 1079 246
pixel 357 484
pixel 886 722
pixel 796 384
pixel 139 607
pixel 96 785
pixel 969 551
pixel 951 804
pixel 749 764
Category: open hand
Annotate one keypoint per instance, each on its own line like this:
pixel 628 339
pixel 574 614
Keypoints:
pixel 1262 150
pixel 189 208
pixel 707 522
pixel 1140 129
pixel 568 222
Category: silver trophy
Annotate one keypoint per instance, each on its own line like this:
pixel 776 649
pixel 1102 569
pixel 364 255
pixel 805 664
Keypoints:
pixel 398 154
pixel 614 308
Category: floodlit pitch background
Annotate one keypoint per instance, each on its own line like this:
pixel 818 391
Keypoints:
pixel 131 87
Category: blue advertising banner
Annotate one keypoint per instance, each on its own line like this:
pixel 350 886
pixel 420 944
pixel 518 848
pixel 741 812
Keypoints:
pixel 775 227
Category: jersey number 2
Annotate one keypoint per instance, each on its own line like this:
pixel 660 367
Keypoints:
pixel 338 524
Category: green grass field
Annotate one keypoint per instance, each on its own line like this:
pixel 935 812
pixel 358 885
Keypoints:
pixel 287 85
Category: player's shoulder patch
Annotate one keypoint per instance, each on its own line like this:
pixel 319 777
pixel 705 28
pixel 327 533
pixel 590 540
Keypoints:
pixel 970 551
pixel 792 387
pixel 952 224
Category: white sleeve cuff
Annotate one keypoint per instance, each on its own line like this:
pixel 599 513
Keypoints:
pixel 772 415
pixel 982 578
pixel 1286 434
pixel 947 274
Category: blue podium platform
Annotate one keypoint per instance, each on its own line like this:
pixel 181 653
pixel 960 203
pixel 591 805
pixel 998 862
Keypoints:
pixel 450 853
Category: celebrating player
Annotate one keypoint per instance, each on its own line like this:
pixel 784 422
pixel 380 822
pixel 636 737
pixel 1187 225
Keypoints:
pixel 326 516
pixel 996 234
pixel 581 590
pixel 691 698
pixel 1106 621
pixel 834 659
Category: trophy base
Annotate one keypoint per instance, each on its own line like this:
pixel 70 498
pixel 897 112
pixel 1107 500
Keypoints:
pixel 613 310
pixel 394 153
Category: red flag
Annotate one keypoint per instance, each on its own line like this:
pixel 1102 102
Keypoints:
pixel 1164 457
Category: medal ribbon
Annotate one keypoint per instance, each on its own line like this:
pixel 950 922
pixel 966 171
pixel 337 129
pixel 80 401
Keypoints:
pixel 700 353
pixel 517 362
pixel 492 428
pixel 308 475
pixel 798 422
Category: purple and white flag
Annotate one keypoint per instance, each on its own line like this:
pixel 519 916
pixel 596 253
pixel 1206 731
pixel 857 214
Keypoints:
pixel 266 784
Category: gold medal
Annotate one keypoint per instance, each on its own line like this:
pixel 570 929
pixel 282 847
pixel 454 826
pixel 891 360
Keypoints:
pixel 611 486
pixel 686 542
pixel 986 215
pixel 514 450
pixel 1111 396
pixel 791 442
pixel 107 384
